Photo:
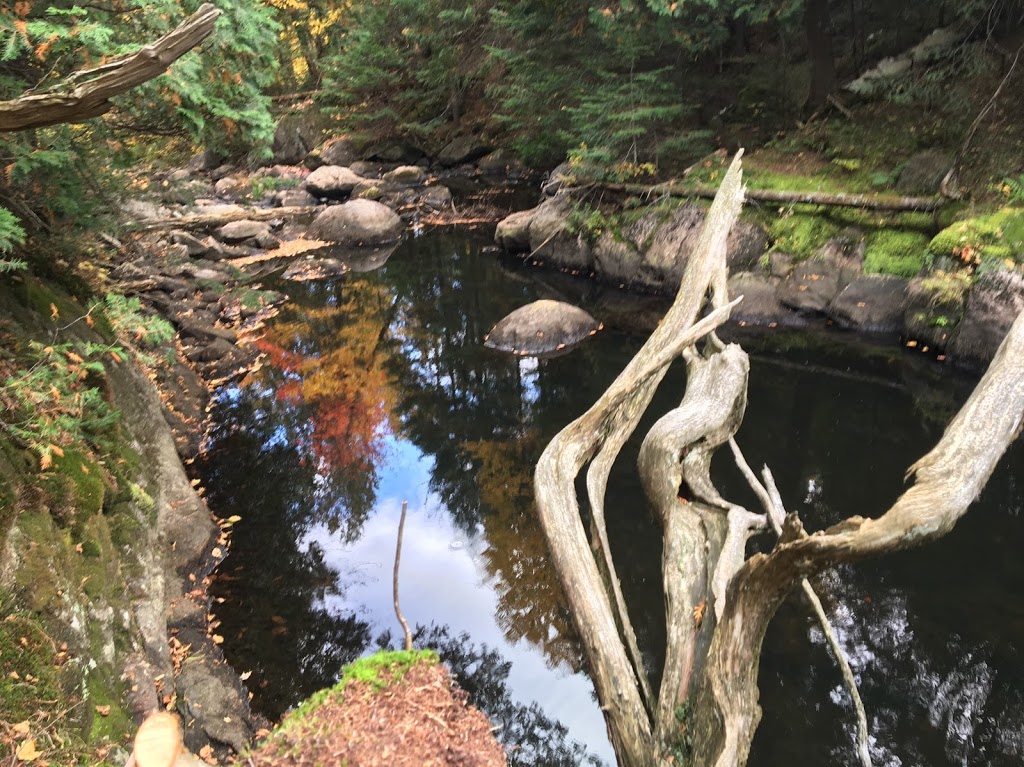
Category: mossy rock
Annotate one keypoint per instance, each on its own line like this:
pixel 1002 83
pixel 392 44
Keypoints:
pixel 801 234
pixel 998 236
pixel 894 252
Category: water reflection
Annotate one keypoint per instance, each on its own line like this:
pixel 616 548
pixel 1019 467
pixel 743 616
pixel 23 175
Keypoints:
pixel 376 389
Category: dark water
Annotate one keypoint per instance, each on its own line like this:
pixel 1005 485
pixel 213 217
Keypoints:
pixel 377 390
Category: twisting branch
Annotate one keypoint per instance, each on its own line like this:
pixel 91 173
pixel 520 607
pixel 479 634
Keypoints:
pixel 87 93
pixel 770 498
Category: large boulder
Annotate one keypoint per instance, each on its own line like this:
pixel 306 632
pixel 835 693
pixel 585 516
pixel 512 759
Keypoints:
pixel 760 304
pixel 297 133
pixel 513 232
pixel 552 240
pixel 337 151
pixel 500 162
pixel 463 149
pixel 542 328
pixel 357 222
pixel 331 181
pixel 816 281
pixel 994 302
pixel 871 303
pixel 923 172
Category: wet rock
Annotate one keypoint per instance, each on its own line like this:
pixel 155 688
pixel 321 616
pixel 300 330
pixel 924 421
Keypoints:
pixel 815 282
pixel 513 232
pixel 240 231
pixel 543 327
pixel 928 318
pixel 212 696
pixel 993 303
pixel 923 172
pixel 315 269
pixel 407 175
pixel 760 304
pixel 463 149
pixel 437 197
pixel 331 181
pixel 871 303
pixel 357 222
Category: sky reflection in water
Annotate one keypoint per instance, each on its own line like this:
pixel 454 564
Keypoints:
pixel 377 390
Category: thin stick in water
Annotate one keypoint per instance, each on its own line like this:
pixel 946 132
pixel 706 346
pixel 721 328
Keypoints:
pixel 398 559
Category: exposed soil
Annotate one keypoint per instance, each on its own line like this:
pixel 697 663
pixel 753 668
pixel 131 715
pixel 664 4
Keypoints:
pixel 420 721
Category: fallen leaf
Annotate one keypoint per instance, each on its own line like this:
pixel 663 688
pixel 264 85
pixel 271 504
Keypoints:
pixel 54 314
pixel 233 518
pixel 243 676
pixel 103 710
pixel 217 639
pixel 27 751
pixel 21 728
pixel 217 553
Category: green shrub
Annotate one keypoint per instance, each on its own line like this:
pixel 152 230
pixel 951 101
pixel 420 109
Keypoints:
pixel 895 252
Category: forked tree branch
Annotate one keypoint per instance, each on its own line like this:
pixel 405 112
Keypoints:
pixel 87 93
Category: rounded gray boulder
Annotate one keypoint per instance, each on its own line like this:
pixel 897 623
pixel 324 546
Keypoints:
pixel 357 222
pixel 542 328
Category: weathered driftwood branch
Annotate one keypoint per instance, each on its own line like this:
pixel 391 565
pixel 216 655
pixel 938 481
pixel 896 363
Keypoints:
pixel 882 202
pixel 949 478
pixel 208 220
pixel 605 428
pixel 770 498
pixel 712 655
pixel 87 93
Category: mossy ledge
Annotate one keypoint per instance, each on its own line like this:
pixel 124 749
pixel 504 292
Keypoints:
pixel 104 549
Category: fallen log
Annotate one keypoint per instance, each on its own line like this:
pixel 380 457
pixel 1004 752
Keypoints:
pixel 207 220
pixel 87 93
pixel 895 203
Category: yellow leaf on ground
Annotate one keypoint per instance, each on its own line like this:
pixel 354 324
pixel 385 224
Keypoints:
pixel 27 751
pixel 21 728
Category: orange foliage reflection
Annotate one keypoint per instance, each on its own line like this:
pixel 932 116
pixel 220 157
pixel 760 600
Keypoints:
pixel 333 359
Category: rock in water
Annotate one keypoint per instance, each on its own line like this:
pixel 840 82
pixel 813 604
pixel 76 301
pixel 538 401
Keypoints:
pixel 542 328
pixel 357 222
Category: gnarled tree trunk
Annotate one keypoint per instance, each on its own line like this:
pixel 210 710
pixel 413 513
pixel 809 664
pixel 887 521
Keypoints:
pixel 718 604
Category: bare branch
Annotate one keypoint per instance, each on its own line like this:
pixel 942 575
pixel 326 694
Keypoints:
pixel 73 102
pixel 398 560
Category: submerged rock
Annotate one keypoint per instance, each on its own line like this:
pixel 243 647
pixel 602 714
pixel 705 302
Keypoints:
pixel 541 328
pixel 357 222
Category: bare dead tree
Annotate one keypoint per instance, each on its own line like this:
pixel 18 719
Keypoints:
pixel 87 93
pixel 718 604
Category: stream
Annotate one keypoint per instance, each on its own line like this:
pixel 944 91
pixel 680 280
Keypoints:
pixel 376 389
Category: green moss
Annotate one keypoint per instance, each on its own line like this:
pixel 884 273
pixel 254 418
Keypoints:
pixel 26 653
pixel 800 234
pixel 948 288
pixel 895 252
pixel 115 725
pixel 997 236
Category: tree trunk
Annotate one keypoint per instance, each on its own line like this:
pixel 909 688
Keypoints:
pixel 718 605
pixel 818 28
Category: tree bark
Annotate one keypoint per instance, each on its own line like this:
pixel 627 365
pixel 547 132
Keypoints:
pixel 717 604
pixel 87 93
pixel 818 29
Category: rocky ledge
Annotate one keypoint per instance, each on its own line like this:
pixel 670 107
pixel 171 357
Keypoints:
pixel 646 249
